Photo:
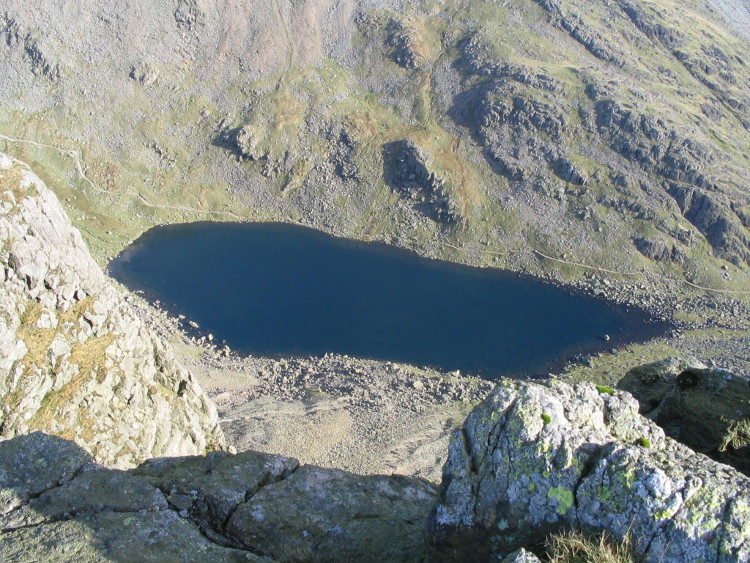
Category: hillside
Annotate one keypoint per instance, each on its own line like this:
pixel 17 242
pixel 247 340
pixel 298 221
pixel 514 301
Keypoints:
pixel 602 144
pixel 612 133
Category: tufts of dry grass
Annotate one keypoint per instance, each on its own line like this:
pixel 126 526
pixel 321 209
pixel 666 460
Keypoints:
pixel 577 547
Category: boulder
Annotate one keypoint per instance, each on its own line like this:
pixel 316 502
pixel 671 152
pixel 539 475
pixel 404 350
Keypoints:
pixel 327 514
pixel 144 73
pixel 208 489
pixel 246 141
pixel 537 458
pixel 521 556
pixel 36 464
pixel 143 536
pixel 658 250
pixel 55 505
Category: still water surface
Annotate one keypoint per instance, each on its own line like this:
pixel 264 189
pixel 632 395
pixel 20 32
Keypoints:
pixel 276 289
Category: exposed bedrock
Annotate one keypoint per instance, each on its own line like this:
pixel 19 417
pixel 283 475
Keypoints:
pixel 706 409
pixel 75 360
pixel 407 168
pixel 56 505
pixel 538 458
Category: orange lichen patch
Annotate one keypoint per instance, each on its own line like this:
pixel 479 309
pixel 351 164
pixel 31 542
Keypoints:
pixel 10 183
pixel 289 112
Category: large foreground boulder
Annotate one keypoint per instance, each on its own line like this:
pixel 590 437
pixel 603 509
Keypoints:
pixel 538 458
pixel 58 506
pixel 75 360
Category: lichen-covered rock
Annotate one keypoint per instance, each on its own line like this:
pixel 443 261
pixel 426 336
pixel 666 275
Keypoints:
pixel 705 409
pixel 31 466
pixel 56 506
pixel 221 507
pixel 209 489
pixel 88 493
pixel 75 360
pixel 537 458
pixel 143 536
pixel 327 514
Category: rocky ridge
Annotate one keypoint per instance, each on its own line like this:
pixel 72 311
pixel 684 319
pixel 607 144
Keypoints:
pixel 221 507
pixel 76 360
pixel 532 459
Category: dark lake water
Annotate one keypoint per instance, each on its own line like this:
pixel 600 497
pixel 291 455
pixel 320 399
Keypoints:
pixel 276 289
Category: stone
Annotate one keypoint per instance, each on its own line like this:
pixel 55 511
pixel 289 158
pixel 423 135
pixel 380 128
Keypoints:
pixel 211 488
pixel 147 537
pixel 246 141
pixel 34 464
pixel 145 74
pixel 88 493
pixel 327 514
pixel 521 556
pixel 218 507
pixel 537 458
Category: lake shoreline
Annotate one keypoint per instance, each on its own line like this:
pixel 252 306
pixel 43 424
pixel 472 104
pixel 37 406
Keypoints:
pixel 489 321
pixel 383 417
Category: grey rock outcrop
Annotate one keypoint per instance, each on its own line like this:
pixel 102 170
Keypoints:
pixel 658 250
pixel 74 510
pixel 537 458
pixel 246 140
pixel 209 489
pixel 330 514
pixel 145 74
pixel 27 44
pixel 75 360
pixel 221 507
pixel 409 50
pixel 407 168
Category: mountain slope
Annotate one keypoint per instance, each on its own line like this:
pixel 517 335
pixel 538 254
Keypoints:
pixel 74 358
pixel 614 133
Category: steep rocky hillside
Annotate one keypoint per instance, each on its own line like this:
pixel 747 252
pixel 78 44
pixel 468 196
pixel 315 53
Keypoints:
pixel 75 360
pixel 612 132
